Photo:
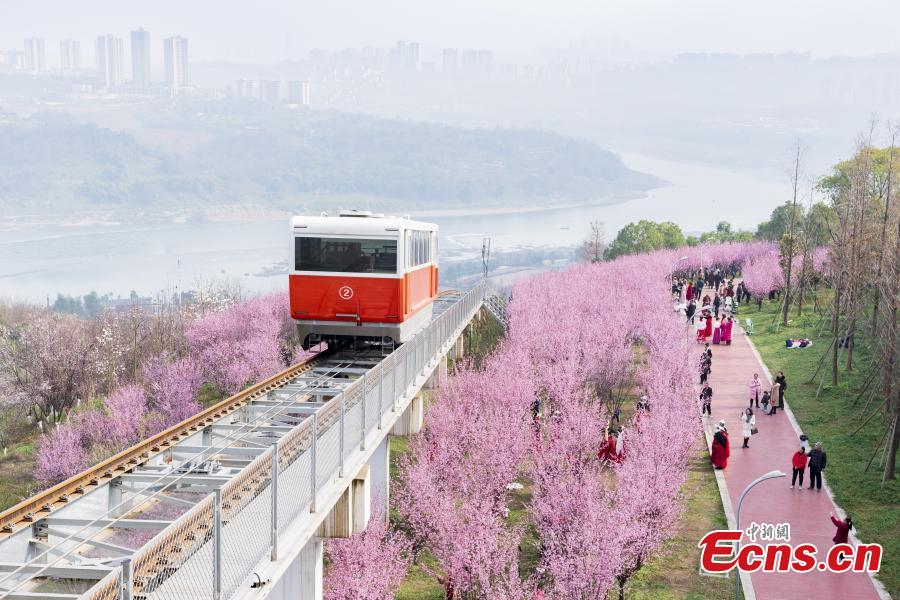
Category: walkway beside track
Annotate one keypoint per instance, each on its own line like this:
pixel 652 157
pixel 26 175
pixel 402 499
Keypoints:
pixel 774 501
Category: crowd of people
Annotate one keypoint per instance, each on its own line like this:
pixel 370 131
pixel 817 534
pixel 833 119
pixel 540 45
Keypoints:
pixel 716 309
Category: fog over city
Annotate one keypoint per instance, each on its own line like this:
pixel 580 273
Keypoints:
pixel 274 30
pixel 146 145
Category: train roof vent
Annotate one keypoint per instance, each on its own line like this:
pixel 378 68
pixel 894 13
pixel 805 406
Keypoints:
pixel 360 213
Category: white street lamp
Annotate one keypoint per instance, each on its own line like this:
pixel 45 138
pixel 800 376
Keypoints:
pixel 737 550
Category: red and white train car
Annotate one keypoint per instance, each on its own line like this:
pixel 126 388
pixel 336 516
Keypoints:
pixel 362 275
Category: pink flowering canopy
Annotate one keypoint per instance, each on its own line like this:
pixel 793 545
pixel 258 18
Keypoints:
pixel 236 345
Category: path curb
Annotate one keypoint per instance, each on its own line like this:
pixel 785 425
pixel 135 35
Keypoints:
pixel 746 582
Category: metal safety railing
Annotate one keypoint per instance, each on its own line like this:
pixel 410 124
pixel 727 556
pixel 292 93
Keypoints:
pixel 212 550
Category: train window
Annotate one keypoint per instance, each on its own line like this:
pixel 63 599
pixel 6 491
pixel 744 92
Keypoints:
pixel 421 248
pixel 345 255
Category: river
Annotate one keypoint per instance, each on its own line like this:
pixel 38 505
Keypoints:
pixel 39 262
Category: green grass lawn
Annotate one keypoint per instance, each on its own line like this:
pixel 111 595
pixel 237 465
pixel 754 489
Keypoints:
pixel 832 417
pixel 16 481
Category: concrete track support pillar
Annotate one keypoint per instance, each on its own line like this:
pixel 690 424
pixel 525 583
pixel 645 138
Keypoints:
pixel 410 421
pixel 311 567
pixel 361 495
pixel 380 477
pixel 339 522
pixel 439 375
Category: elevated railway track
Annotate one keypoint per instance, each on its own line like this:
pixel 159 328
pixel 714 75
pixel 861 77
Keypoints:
pixel 195 510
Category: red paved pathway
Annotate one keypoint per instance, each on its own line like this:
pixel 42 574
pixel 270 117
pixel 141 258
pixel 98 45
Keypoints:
pixel 774 501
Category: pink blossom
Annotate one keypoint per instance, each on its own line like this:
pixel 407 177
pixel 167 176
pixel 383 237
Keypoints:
pixel 369 565
pixel 240 344
pixel 173 388
pixel 60 454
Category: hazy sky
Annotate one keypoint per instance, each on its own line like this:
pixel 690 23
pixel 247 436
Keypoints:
pixel 270 30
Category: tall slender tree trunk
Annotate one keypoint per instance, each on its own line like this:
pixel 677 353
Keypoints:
pixel 789 259
pixel 890 465
pixel 889 335
pixel 884 229
pixel 838 342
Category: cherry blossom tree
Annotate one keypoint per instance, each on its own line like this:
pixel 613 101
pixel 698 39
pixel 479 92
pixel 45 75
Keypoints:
pixel 240 344
pixel 369 565
pixel 453 484
pixel 60 455
pixel 173 388
pixel 48 360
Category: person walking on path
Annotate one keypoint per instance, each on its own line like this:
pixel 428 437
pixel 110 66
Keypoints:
pixel 717 303
pixel 774 394
pixel 705 367
pixel 755 385
pixel 720 447
pixel 843 529
pixel 690 311
pixel 798 462
pixel 706 399
pixel 748 425
pixel 782 388
pixel 817 461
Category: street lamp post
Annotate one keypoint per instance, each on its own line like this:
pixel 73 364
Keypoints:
pixel 675 264
pixel 737 550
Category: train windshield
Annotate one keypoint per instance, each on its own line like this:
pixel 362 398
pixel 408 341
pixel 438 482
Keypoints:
pixel 345 255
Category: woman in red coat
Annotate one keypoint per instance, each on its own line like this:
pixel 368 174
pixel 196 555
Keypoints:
pixel 843 529
pixel 689 295
pixel 727 324
pixel 720 447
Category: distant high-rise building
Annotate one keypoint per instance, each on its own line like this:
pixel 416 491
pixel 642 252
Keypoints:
pixel 270 91
pixel 451 60
pixel 110 53
pixel 246 88
pixel 140 57
pixel 14 60
pixel 405 56
pixel 176 63
pixel 34 55
pixel 477 61
pixel 298 93
pixel 70 55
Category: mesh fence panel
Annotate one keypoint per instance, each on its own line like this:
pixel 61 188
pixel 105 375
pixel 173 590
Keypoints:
pixel 327 455
pixel 390 372
pixel 178 563
pixel 294 490
pixel 107 588
pixel 352 419
pixel 294 478
pixel 246 514
pixel 372 412
pixel 246 539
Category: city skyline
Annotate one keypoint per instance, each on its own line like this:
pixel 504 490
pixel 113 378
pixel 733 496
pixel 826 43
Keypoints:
pixel 659 28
